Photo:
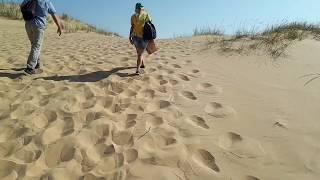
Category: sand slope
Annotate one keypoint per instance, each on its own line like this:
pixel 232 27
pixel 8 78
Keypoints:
pixel 194 115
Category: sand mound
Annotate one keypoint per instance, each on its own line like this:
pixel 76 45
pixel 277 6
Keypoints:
pixel 194 114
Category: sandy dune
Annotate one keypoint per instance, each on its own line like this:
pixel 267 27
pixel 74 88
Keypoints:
pixel 194 115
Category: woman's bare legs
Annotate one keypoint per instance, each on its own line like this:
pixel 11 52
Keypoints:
pixel 140 60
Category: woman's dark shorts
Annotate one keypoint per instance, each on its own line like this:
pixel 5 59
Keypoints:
pixel 140 43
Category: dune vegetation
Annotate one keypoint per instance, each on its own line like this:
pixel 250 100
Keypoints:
pixel 11 10
pixel 274 40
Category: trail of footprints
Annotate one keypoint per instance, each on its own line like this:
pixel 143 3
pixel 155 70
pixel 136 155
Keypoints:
pixel 98 131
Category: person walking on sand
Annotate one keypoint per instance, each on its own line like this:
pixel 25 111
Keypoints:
pixel 35 13
pixel 138 21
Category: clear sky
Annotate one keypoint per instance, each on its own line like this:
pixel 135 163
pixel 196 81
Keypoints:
pixel 180 17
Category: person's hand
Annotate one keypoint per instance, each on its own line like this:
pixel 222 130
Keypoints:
pixel 59 31
pixel 131 40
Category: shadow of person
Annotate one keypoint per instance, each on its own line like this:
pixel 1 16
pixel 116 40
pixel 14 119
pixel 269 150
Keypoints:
pixel 91 77
pixel 13 69
pixel 11 75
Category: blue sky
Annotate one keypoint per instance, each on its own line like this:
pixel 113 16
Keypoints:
pixel 180 17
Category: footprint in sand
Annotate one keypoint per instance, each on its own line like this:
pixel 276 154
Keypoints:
pixel 152 120
pixel 198 121
pixel 88 104
pixel 176 66
pixel 70 105
pixel 230 139
pixel 128 93
pixel 187 61
pixel 92 116
pixel 146 94
pixel 169 71
pixel 189 95
pixel 109 164
pixel 281 123
pixel 205 159
pixel 218 110
pixel 163 82
pixel 22 110
pixel 158 105
pixel 183 77
pixel 122 138
pixel 116 87
pixel 131 121
pixel 8 147
pixel 103 130
pixel 195 71
pixel 62 151
pixel 240 146
pixel 209 88
pixel 151 70
pixel 131 155
pixel 28 156
pixel 104 150
pixel 250 178
pixel 125 59
pixel 44 119
pixel 68 126
pixel 7 168
pixel 173 82
pixel 52 133
pixel 106 102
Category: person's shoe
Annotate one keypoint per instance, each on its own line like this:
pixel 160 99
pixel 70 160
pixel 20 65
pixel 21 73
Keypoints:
pixel 143 66
pixel 139 72
pixel 37 66
pixel 29 71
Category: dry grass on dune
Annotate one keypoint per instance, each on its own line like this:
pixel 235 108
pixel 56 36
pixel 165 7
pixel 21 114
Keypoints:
pixel 273 40
pixel 11 10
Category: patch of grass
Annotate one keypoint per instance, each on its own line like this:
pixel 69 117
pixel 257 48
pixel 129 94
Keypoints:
pixel 274 40
pixel 11 10
pixel 292 26
pixel 208 31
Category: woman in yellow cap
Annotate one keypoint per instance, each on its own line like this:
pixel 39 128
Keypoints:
pixel 138 21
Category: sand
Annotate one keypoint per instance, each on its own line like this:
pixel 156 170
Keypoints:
pixel 194 115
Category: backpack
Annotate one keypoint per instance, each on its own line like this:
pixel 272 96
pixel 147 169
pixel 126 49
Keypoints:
pixel 149 31
pixel 28 10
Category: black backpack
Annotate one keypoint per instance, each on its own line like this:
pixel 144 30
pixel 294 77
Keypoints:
pixel 149 31
pixel 28 10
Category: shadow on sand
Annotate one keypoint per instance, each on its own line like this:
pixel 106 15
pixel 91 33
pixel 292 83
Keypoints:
pixel 11 75
pixel 91 77
pixel 13 69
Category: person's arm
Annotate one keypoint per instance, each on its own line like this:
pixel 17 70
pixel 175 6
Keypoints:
pixel 130 35
pixel 52 11
pixel 131 31
pixel 56 21
pixel 149 18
